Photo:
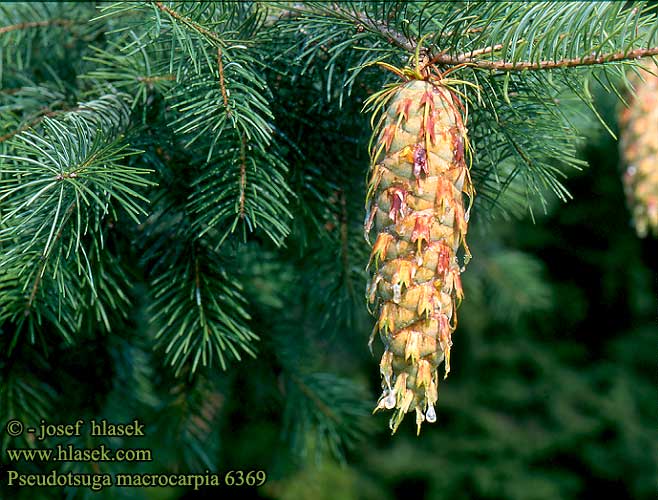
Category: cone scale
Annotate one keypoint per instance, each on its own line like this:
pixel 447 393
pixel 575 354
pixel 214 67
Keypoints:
pixel 639 150
pixel 416 206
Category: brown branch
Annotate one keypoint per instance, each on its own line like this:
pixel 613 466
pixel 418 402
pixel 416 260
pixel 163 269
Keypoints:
pixel 209 34
pixel 188 22
pixel 35 287
pixel 590 60
pixel 149 80
pixel 243 174
pixel 478 52
pixel 35 24
pixel 222 86
pixel 394 37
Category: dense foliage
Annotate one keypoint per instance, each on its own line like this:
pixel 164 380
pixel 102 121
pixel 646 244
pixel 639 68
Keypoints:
pixel 182 192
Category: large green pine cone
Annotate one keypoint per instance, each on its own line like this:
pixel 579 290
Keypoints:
pixel 639 148
pixel 417 209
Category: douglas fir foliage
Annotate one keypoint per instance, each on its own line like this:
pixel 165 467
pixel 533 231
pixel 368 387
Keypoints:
pixel 181 241
pixel 415 195
pixel 639 147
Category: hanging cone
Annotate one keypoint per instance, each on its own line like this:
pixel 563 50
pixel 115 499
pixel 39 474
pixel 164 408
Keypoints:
pixel 416 206
pixel 638 124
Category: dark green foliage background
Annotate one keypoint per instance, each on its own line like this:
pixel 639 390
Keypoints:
pixel 552 393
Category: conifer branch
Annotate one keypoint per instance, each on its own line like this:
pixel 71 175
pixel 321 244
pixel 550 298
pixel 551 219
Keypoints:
pixel 150 80
pixel 192 331
pixel 589 60
pixel 393 36
pixel 479 52
pixel 44 260
pixel 222 86
pixel 243 173
pixel 43 219
pixel 308 392
pixel 189 23
pixel 329 407
pixel 35 24
pixel 470 58
pixel 36 120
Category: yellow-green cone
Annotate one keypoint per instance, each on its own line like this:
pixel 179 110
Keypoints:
pixel 416 206
pixel 639 149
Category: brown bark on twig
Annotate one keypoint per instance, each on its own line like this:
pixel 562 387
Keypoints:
pixel 35 24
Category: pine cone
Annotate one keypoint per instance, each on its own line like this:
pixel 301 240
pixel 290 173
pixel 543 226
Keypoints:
pixel 415 191
pixel 639 148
